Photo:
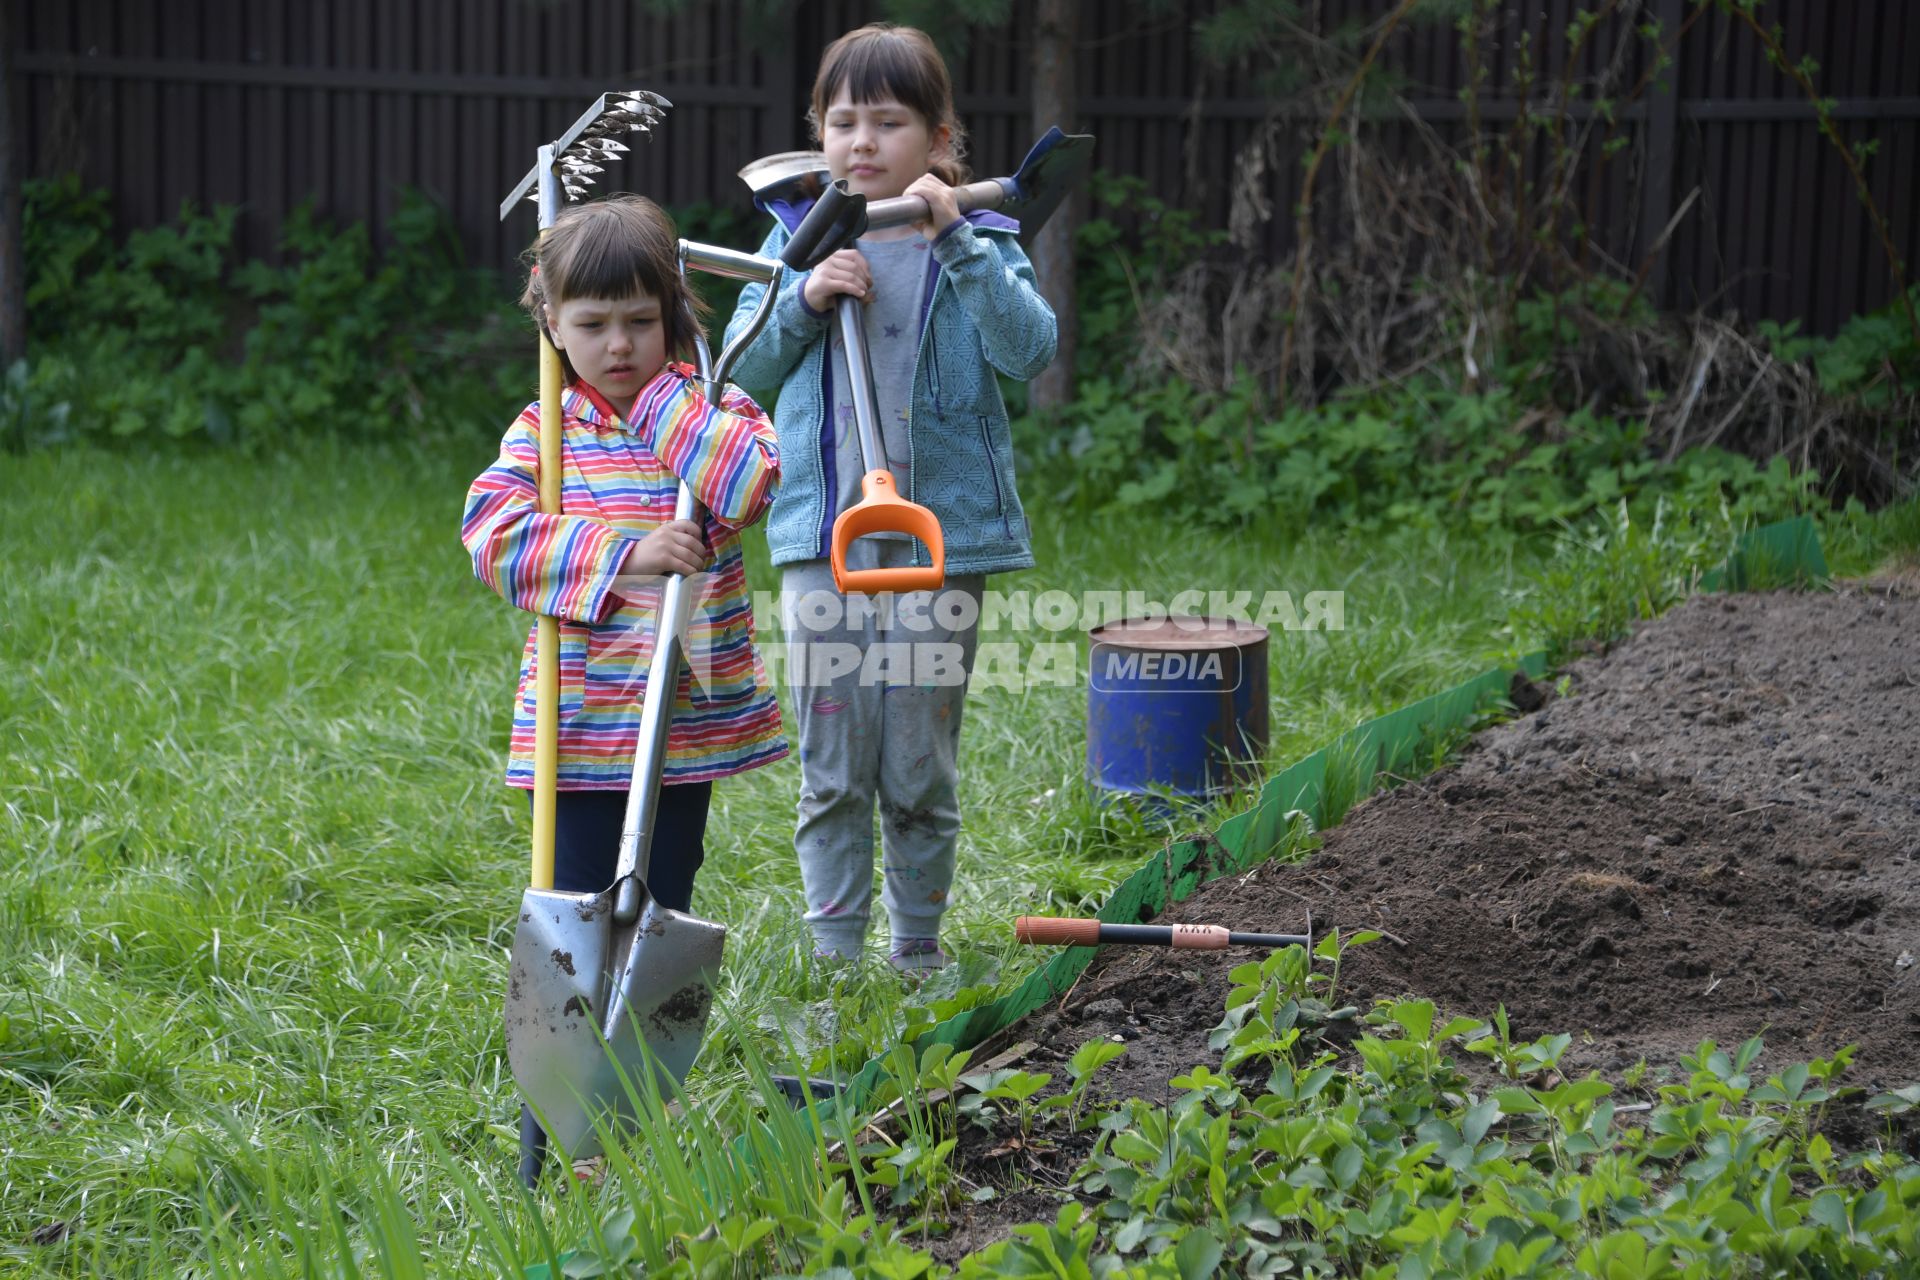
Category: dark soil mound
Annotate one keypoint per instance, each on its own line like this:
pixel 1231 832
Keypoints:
pixel 1716 834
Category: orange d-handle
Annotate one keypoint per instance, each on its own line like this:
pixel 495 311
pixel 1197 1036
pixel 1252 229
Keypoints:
pixel 881 509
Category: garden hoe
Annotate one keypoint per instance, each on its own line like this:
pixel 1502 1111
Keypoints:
pixel 606 987
pixel 1031 195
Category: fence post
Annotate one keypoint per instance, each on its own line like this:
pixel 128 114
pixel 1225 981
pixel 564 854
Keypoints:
pixel 1656 187
pixel 13 307
pixel 780 119
pixel 1053 94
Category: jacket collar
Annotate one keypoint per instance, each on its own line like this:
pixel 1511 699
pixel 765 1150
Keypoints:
pixel 583 401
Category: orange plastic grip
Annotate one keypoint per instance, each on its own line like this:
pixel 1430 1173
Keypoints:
pixel 881 509
pixel 1049 931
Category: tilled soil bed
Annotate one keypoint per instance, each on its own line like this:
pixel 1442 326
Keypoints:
pixel 1713 833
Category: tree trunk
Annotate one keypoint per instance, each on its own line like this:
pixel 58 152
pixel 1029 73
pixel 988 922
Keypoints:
pixel 13 307
pixel 1056 27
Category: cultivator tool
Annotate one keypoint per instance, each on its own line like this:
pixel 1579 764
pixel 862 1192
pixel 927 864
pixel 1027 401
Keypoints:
pixel 1054 931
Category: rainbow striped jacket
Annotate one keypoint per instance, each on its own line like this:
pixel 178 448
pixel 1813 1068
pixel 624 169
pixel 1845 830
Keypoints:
pixel 619 481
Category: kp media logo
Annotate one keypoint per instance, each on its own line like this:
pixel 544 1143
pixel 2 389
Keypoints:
pixel 1121 670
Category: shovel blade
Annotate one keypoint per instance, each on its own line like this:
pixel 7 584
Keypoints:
pixel 1047 176
pixel 569 962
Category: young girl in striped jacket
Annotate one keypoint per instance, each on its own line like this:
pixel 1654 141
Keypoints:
pixel 607 287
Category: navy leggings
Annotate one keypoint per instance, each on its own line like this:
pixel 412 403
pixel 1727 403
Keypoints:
pixel 586 841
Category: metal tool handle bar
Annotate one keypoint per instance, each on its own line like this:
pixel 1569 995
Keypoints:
pixel 990 193
pixel 663 673
pixel 731 263
pixel 1045 930
pixel 835 222
pixel 663 677
pixel 714 382
pixel 853 338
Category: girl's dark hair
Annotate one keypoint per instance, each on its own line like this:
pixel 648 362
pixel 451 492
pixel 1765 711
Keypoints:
pixel 612 249
pixel 883 61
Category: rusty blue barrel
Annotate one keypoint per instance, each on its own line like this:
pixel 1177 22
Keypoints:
pixel 1176 706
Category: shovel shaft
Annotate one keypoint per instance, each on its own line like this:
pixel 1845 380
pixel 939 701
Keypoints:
pixel 853 337
pixel 650 754
pixel 880 509
pixel 990 193
pixel 663 673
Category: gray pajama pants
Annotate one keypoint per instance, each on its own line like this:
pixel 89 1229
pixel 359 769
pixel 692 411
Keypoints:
pixel 878 693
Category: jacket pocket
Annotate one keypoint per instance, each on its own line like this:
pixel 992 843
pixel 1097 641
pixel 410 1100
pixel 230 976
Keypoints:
pixel 992 457
pixel 721 675
pixel 573 675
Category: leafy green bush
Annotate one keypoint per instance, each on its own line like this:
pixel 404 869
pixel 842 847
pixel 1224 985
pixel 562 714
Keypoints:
pixel 1513 435
pixel 1331 1141
pixel 26 419
pixel 1872 356
pixel 1393 1168
pixel 165 336
pixel 336 338
pixel 1421 453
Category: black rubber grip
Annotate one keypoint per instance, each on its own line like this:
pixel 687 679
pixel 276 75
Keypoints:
pixel 1238 939
pixel 835 222
pixel 1152 935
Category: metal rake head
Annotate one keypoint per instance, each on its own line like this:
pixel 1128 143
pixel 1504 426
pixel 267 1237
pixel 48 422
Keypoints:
pixel 635 111
pixel 593 141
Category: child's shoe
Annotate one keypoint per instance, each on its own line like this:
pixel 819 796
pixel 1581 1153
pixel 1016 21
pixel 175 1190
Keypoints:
pixel 833 959
pixel 917 956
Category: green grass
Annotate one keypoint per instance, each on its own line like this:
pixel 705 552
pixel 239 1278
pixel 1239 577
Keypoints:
pixel 259 866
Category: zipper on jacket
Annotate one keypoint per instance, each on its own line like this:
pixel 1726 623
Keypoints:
pixel 828 441
pixel 993 471
pixel 933 382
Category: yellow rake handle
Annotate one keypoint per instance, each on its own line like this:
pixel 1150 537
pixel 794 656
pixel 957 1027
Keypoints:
pixel 546 650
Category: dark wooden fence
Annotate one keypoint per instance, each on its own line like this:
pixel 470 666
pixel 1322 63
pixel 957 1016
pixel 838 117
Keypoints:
pixel 265 103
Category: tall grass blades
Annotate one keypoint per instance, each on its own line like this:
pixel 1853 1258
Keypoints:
pixel 259 867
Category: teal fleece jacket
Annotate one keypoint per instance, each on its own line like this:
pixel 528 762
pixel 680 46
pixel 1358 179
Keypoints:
pixel 981 313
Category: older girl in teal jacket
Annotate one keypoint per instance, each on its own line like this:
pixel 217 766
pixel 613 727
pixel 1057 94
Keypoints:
pixel 949 303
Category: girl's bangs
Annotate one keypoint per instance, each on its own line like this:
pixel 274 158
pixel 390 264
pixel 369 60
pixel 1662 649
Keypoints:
pixel 881 70
pixel 611 266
